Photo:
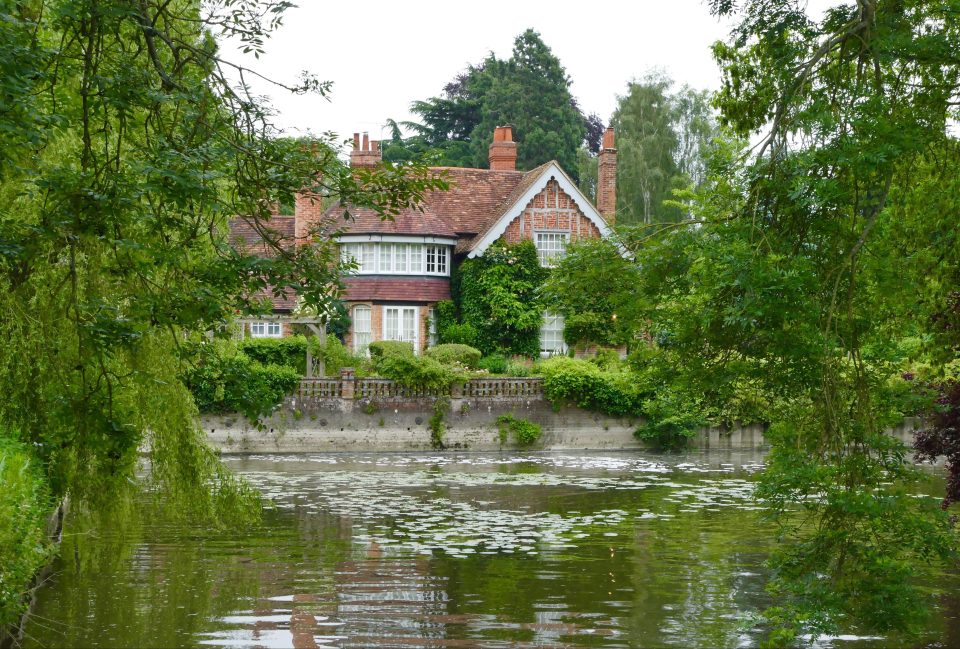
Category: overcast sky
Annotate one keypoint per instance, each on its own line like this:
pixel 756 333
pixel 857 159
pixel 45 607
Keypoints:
pixel 382 55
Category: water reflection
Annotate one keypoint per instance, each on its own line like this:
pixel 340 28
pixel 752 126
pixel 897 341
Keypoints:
pixel 550 550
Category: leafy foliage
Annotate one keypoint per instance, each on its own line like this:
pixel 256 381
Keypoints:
pixel 225 380
pixel 584 384
pixel 126 150
pixel 24 508
pixel 290 351
pixel 382 349
pixel 594 287
pixel 499 295
pixel 416 371
pixel 804 261
pixel 524 432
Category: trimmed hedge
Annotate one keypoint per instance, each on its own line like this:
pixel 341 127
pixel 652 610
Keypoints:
pixel 416 371
pixel 287 352
pixel 450 353
pixel 380 349
pixel 459 334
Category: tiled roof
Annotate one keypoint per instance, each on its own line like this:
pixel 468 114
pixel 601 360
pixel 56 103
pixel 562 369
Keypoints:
pixel 528 178
pixel 245 237
pixel 469 207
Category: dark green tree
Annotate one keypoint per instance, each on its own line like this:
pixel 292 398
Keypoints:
pixel 530 91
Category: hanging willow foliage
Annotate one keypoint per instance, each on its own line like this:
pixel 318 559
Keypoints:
pixel 126 143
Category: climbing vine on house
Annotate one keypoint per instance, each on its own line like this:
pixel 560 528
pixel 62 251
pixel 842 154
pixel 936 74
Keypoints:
pixel 499 296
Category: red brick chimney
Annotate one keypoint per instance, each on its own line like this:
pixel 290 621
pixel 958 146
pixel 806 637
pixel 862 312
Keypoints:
pixel 607 178
pixel 366 154
pixel 503 150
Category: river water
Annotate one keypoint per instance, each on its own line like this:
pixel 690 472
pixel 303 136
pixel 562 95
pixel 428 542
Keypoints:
pixel 472 550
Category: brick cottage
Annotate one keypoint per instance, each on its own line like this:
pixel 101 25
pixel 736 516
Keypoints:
pixel 404 265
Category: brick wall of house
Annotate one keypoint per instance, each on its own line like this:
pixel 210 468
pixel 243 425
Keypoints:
pixel 551 209
pixel 376 323
pixel 309 213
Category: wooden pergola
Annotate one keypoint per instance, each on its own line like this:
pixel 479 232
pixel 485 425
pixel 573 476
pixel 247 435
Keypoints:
pixel 316 325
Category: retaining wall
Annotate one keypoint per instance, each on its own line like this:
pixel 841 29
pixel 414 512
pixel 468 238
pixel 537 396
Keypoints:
pixel 334 415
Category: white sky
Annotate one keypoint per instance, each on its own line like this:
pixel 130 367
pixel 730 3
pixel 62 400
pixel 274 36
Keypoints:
pixel 383 55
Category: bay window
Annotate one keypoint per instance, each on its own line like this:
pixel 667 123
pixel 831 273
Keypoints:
pixel 383 258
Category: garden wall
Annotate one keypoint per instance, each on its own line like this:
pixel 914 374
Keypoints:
pixel 349 414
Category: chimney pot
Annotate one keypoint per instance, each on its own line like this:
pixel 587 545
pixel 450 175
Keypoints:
pixel 503 150
pixel 608 139
pixel 366 152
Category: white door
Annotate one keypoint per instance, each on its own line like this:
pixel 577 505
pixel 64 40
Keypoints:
pixel 400 323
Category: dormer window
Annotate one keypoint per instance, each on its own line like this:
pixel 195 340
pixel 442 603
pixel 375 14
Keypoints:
pixel 551 247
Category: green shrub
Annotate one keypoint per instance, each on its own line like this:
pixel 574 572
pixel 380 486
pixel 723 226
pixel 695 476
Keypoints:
pixel 607 359
pixel 459 334
pixel 670 421
pixel 494 363
pixel 416 371
pixel 225 380
pixel 288 352
pixel 449 354
pixel 524 432
pixel 24 508
pixel 336 356
pixel 582 383
pixel 517 369
pixel 381 349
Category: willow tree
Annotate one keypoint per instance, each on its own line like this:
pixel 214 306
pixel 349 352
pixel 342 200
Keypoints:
pixel 816 254
pixel 127 143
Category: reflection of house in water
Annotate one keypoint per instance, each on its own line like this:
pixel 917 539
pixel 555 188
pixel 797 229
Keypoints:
pixel 392 600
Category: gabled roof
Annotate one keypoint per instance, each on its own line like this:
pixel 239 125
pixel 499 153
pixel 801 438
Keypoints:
pixel 533 183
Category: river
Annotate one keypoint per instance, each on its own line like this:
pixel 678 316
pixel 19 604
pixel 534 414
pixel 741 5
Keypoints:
pixel 472 550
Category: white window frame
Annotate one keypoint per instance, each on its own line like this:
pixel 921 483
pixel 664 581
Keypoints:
pixel 440 260
pixel 398 258
pixel 362 339
pixel 431 327
pixel 266 329
pixel 401 316
pixel 552 327
pixel 549 255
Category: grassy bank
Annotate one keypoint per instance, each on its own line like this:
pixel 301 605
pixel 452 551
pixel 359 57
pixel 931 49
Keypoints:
pixel 25 506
